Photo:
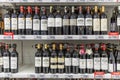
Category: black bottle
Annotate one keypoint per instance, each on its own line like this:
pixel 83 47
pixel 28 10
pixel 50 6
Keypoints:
pixel 1 59
pixel 14 59
pixel 118 61
pixel 38 58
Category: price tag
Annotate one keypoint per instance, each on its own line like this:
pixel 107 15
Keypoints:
pixel 31 75
pixel 113 35
pixel 115 75
pixel 22 37
pixel 63 0
pixel 99 36
pixel 8 35
pixel 71 0
pixel 84 37
pixel 54 76
pixel 38 37
pixel 7 75
pixel 38 0
pixel 80 0
pixel 51 37
pixel 99 75
pixel 91 1
pixel 84 76
pixel 56 0
pixel 41 76
pixel 24 0
pixel 13 0
pixel 70 76
pixel 68 37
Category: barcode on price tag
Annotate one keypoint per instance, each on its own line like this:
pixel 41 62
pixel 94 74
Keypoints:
pixel 115 75
pixel 8 35
pixel 99 75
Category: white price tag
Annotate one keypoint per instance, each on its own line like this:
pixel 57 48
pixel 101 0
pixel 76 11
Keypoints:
pixel 37 37
pixel 115 75
pixel 31 76
pixel 22 37
pixel 63 0
pixel 56 0
pixel 38 0
pixel 24 0
pixel 7 75
pixel 41 76
pixel 54 76
pixel 68 37
pixel 84 76
pixel 7 37
pixel 100 37
pixel 83 37
pixel 99 75
pixel 81 0
pixel 71 0
pixel 13 0
pixel 51 37
pixel 69 76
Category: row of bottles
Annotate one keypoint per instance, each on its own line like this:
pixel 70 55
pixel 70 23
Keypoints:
pixel 80 21
pixel 8 60
pixel 69 58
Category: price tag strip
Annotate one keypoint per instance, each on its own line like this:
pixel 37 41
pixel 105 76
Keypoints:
pixel 101 37
pixel 8 36
pixel 38 0
pixel 115 75
pixel 99 75
pixel 114 35
pixel 22 37
pixel 55 0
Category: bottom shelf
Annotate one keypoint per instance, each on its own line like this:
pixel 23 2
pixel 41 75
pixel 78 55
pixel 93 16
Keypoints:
pixel 27 71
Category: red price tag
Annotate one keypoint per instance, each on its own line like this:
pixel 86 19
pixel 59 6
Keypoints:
pixel 8 35
pixel 115 75
pixel 113 35
pixel 99 75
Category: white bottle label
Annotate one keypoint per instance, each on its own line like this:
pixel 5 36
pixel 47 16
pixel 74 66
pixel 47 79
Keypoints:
pixel 46 62
pixel 38 61
pixel 51 22
pixel 110 67
pixel 21 23
pixel 89 63
pixel 53 66
pixel 60 66
pixel 28 23
pixel 97 63
pixel 96 24
pixel 82 64
pixel 73 22
pixel 36 24
pixel 118 21
pixel 66 22
pixel 14 24
pixel 68 61
pixel 80 22
pixel 61 60
pixel 13 62
pixel 6 62
pixel 44 24
pixel 88 22
pixel 53 60
pixel 75 61
pixel 7 23
pixel 104 24
pixel 1 61
pixel 58 22
pixel 104 63
pixel 118 66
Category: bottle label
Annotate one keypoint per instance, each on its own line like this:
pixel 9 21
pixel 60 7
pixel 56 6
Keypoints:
pixel 90 63
pixel 82 64
pixel 37 61
pixel 36 24
pixel 51 22
pixel 104 63
pixel 58 22
pixel 6 62
pixel 46 62
pixel 104 24
pixel 118 21
pixel 73 22
pixel 118 67
pixel 21 23
pixel 44 24
pixel 61 60
pixel 53 60
pixel 13 62
pixel 111 67
pixel 14 24
pixel 7 23
pixel 113 27
pixel 66 22
pixel 97 63
pixel 96 24
pixel 68 61
pixel 1 61
pixel 88 22
pixel 60 66
pixel 80 22
pixel 28 23
pixel 75 61
pixel 53 66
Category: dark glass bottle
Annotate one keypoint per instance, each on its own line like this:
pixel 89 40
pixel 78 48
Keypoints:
pixel 118 61
pixel 44 30
pixel 97 59
pixel 58 23
pixel 88 22
pixel 118 19
pixel 51 22
pixel 21 22
pixel 46 59
pixel 36 22
pixel 38 58
pixel 61 59
pixel 89 53
pixel 75 61
pixel 53 60
pixel 1 58
pixel 80 22
pixel 14 59
pixel 73 22
pixel 29 25
pixel 96 22
pixel 6 59
pixel 66 22
pixel 7 22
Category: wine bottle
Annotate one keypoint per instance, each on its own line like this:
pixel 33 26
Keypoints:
pixel 36 22
pixel 29 19
pixel 1 58
pixel 53 60
pixel 89 53
pixel 118 61
pixel 14 59
pixel 66 22
pixel 82 60
pixel 81 22
pixel 73 22
pixel 44 21
pixel 21 21
pixel 96 22
pixel 38 58
pixel 88 22
pixel 103 21
pixel 46 59
pixel 51 22
pixel 61 59
pixel 118 19
pixel 2 26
